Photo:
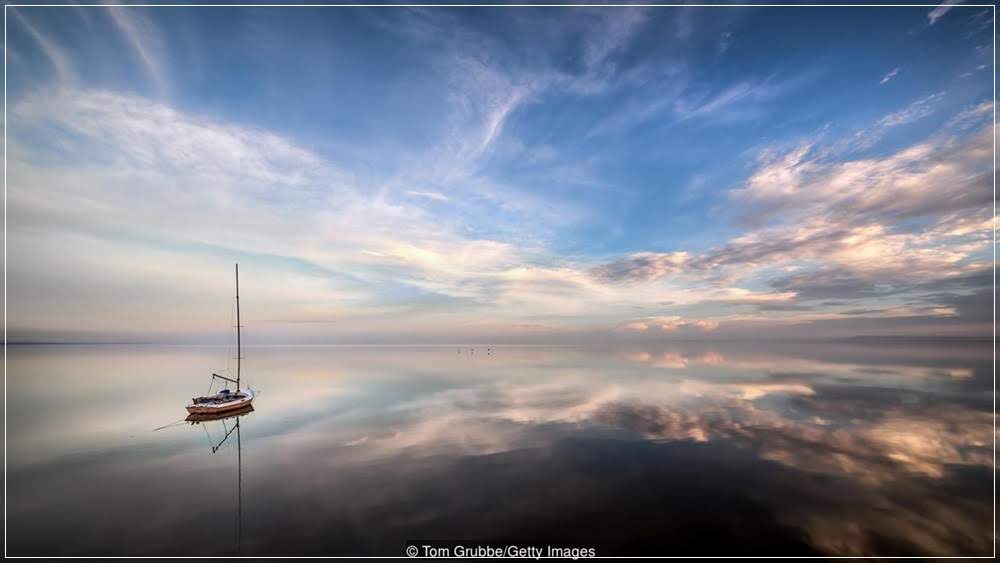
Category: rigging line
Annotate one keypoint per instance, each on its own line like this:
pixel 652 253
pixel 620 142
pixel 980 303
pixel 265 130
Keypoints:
pixel 240 353
pixel 229 342
pixel 175 423
pixel 211 444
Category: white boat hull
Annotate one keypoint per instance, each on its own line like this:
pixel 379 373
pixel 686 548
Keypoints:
pixel 231 405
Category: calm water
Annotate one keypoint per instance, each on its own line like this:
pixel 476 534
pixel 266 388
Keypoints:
pixel 710 449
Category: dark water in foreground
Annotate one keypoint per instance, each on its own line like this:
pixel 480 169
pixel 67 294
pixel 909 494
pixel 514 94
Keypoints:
pixel 706 449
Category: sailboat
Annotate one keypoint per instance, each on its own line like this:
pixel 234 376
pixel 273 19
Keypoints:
pixel 226 401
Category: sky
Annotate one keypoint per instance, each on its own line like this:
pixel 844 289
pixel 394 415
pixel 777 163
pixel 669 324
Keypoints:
pixel 501 174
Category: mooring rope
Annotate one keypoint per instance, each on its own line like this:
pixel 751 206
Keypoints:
pixel 169 425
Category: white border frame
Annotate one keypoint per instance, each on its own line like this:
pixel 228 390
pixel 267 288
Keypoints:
pixel 487 5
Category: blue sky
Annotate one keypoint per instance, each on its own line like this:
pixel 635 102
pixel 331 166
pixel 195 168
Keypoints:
pixel 500 174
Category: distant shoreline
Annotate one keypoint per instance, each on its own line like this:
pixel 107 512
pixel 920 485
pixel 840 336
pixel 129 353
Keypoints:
pixel 862 339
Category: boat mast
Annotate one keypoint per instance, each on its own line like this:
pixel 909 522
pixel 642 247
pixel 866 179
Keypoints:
pixel 239 349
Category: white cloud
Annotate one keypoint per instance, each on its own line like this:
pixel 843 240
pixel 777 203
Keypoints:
pixel 669 324
pixel 199 191
pixel 145 171
pixel 938 175
pixel 908 219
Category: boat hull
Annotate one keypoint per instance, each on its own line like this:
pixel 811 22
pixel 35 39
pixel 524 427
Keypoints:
pixel 195 418
pixel 228 406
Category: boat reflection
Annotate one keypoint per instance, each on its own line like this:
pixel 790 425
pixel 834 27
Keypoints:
pixel 229 428
pixel 196 418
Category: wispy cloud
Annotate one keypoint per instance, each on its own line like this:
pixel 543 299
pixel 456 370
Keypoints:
pixel 142 35
pixel 938 12
pixel 892 74
pixel 614 30
pixel 676 99
pixel 57 57
pixel 739 101
pixel 867 138
pixel 435 196
pixel 725 42
pixel 913 112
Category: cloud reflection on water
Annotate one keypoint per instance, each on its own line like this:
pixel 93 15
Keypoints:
pixel 680 448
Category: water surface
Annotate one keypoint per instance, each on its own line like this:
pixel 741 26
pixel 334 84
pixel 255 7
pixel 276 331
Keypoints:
pixel 688 448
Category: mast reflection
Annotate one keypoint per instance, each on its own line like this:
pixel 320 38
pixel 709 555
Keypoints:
pixel 234 419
